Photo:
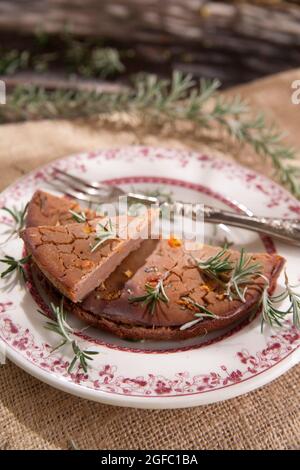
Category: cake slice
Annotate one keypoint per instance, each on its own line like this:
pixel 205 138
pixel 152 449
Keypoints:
pixel 47 209
pixel 77 257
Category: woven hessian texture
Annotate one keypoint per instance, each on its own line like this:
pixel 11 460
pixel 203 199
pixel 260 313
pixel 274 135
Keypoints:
pixel 35 416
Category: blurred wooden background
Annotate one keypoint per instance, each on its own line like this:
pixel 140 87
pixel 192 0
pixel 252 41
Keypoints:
pixel 235 41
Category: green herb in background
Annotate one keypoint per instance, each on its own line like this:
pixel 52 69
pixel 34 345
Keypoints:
pixel 13 61
pixel 78 56
pixel 180 98
pixel 165 101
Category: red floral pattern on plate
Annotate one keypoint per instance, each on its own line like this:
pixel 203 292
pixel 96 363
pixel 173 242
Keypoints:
pixel 106 379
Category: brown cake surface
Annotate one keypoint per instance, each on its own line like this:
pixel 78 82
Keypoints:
pixel 184 285
pixel 66 254
pixel 110 306
pixel 47 209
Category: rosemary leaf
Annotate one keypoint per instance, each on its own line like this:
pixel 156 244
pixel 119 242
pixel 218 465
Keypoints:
pixel 60 326
pixel 272 315
pixel 104 233
pixel 215 266
pixel 153 296
pixel 242 276
pixel 19 218
pixel 79 217
pixel 203 311
pixel 15 265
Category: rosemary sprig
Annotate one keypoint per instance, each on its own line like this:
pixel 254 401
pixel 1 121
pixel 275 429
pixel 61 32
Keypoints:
pixel 15 265
pixel 79 217
pixel 104 233
pixel 63 329
pixel 271 314
pixel 215 266
pixel 153 295
pixel 19 219
pixel 179 98
pixel 81 356
pixel 241 276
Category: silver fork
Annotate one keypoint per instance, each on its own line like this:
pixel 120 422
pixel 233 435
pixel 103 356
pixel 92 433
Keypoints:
pixel 94 192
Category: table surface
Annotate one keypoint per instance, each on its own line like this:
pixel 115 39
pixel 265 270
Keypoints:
pixel 36 416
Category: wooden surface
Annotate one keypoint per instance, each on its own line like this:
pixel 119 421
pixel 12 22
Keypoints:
pixel 157 21
pixel 235 41
pixel 34 415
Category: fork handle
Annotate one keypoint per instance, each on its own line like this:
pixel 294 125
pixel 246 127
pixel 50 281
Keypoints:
pixel 287 230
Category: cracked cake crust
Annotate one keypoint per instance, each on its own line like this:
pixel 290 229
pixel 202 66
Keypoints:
pixel 66 257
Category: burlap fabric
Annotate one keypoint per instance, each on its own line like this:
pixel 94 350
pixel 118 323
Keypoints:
pixel 36 416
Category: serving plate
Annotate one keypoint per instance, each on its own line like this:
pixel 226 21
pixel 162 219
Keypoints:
pixel 155 375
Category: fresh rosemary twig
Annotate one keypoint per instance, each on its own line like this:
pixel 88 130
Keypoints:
pixel 104 233
pixel 15 265
pixel 19 218
pixel 79 217
pixel 165 100
pixel 215 266
pixel 63 329
pixel 271 314
pixel 241 276
pixel 81 356
pixel 153 295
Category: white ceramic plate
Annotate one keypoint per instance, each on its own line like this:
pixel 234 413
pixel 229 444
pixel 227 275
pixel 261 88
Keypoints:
pixel 156 375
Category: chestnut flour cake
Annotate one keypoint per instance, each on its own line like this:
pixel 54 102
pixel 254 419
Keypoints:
pixel 162 269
